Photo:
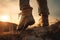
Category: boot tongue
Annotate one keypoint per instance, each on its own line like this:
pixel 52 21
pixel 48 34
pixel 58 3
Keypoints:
pixel 27 12
pixel 27 7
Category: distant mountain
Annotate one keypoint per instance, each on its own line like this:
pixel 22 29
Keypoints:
pixel 7 26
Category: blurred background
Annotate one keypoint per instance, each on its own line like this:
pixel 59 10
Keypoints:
pixel 9 10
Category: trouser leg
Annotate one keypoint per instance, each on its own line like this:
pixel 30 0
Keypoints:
pixel 43 11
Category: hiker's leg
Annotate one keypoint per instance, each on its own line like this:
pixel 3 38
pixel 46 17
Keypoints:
pixel 43 11
pixel 26 15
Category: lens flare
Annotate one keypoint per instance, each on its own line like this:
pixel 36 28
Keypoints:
pixel 5 18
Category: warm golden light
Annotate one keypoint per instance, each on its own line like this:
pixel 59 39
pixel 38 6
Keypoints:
pixel 5 18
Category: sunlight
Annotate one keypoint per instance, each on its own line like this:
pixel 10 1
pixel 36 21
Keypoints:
pixel 5 18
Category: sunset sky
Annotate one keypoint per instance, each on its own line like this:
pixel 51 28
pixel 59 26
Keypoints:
pixel 11 9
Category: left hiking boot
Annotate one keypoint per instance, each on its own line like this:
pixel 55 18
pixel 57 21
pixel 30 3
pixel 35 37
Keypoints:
pixel 26 18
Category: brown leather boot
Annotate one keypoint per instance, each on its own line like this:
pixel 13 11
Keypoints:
pixel 26 18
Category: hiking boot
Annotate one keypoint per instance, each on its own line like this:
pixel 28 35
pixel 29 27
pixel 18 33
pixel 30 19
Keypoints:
pixel 26 18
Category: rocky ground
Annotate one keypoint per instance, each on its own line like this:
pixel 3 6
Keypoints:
pixel 37 33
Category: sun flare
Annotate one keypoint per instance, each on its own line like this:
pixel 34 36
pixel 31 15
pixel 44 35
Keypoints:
pixel 5 18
